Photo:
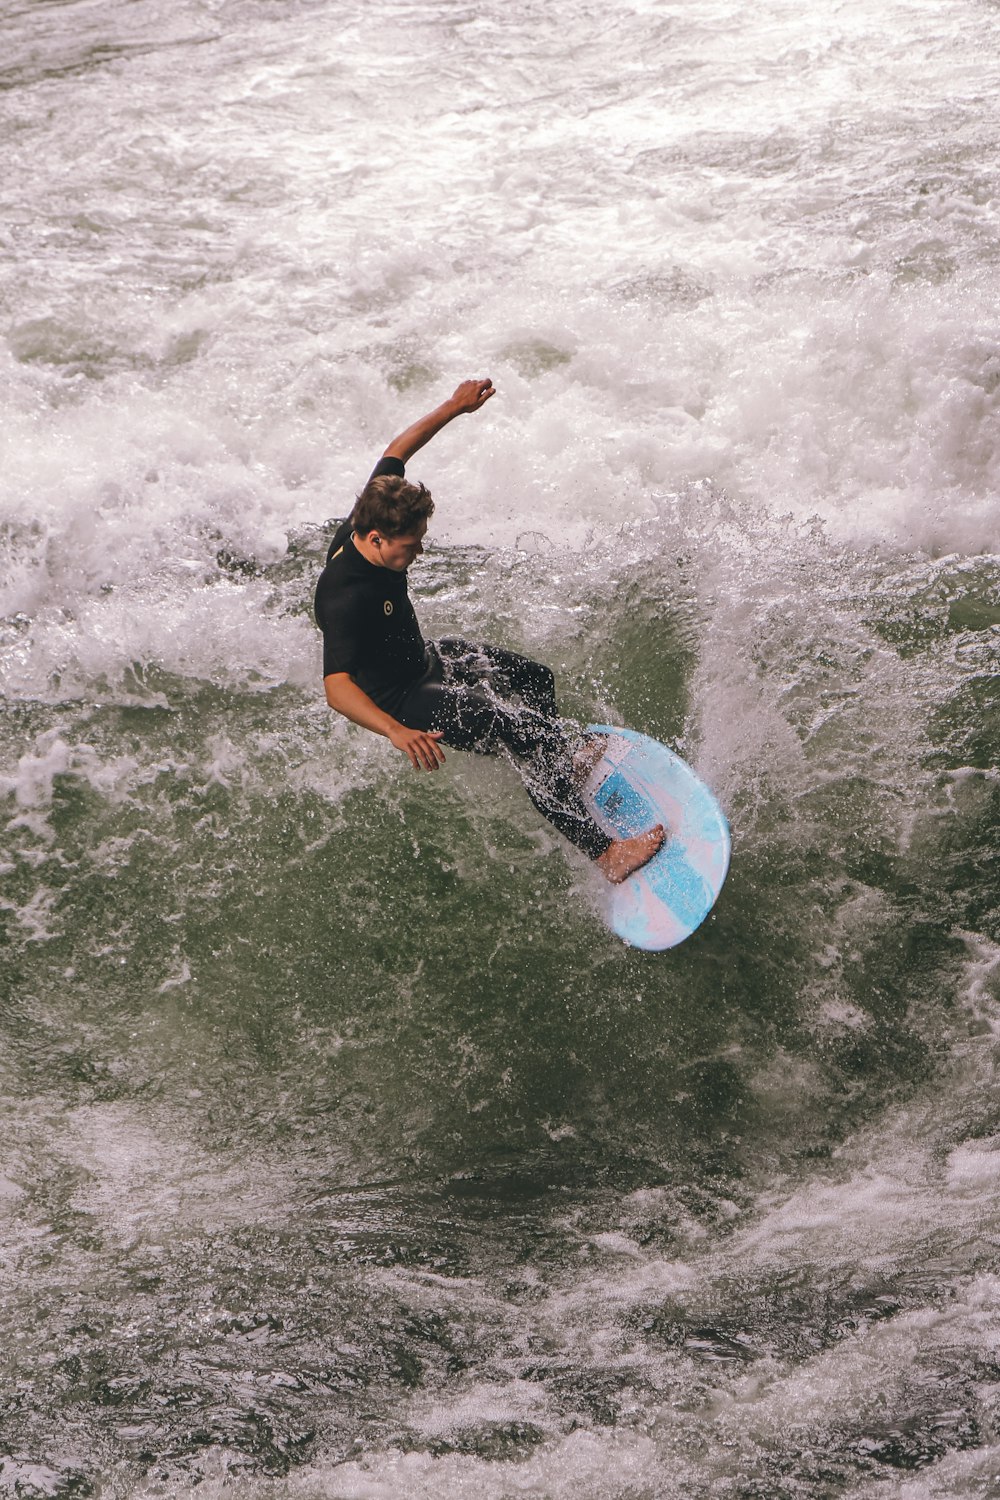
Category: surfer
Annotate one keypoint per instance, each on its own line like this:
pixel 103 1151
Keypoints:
pixel 379 672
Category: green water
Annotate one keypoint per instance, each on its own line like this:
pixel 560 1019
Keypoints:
pixel 324 1083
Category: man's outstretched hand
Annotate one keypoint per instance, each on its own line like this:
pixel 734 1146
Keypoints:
pixel 421 745
pixel 472 394
pixel 469 396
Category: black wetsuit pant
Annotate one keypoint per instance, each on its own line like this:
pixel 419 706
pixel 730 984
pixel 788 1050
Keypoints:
pixel 492 701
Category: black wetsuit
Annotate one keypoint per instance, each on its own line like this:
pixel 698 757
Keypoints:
pixel 481 698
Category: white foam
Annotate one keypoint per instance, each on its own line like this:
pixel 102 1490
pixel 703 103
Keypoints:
pixel 575 1468
pixel 712 285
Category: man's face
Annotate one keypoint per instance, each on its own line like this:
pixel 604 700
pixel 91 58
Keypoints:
pixel 397 552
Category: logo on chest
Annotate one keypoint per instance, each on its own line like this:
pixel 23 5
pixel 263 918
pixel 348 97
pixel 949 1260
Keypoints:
pixel 387 606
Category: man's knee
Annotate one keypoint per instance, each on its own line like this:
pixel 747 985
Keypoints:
pixel 468 719
pixel 546 678
pixel 537 684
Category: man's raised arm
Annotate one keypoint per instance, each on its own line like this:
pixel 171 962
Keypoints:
pixel 469 396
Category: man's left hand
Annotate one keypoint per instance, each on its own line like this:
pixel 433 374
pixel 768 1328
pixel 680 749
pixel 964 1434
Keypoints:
pixel 472 394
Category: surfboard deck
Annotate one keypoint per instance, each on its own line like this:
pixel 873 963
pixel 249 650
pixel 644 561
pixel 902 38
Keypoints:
pixel 639 782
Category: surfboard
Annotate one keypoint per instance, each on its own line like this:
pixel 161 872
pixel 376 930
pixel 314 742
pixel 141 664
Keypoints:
pixel 639 782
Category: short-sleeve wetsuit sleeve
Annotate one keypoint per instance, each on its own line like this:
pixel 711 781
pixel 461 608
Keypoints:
pixel 389 465
pixel 341 637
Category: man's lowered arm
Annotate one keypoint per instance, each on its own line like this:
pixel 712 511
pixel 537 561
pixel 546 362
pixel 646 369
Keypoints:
pixel 344 695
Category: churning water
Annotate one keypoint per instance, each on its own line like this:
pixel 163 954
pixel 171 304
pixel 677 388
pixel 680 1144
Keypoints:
pixel 344 1152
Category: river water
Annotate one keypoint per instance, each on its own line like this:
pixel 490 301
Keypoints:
pixel 345 1153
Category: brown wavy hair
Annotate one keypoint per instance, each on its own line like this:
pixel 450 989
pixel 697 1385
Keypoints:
pixel 392 505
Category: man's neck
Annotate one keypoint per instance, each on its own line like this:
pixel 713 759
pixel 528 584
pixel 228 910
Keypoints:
pixel 368 552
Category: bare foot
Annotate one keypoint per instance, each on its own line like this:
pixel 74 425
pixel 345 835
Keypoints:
pixel 585 758
pixel 625 856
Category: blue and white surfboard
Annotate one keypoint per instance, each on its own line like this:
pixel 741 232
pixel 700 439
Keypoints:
pixel 637 783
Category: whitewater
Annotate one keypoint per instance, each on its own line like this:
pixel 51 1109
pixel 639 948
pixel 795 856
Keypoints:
pixel 343 1151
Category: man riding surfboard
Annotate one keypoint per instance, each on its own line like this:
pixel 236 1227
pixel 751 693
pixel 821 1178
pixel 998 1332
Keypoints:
pixel 379 672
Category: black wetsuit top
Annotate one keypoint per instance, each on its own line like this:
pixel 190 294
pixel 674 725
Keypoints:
pixel 369 626
pixel 475 697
